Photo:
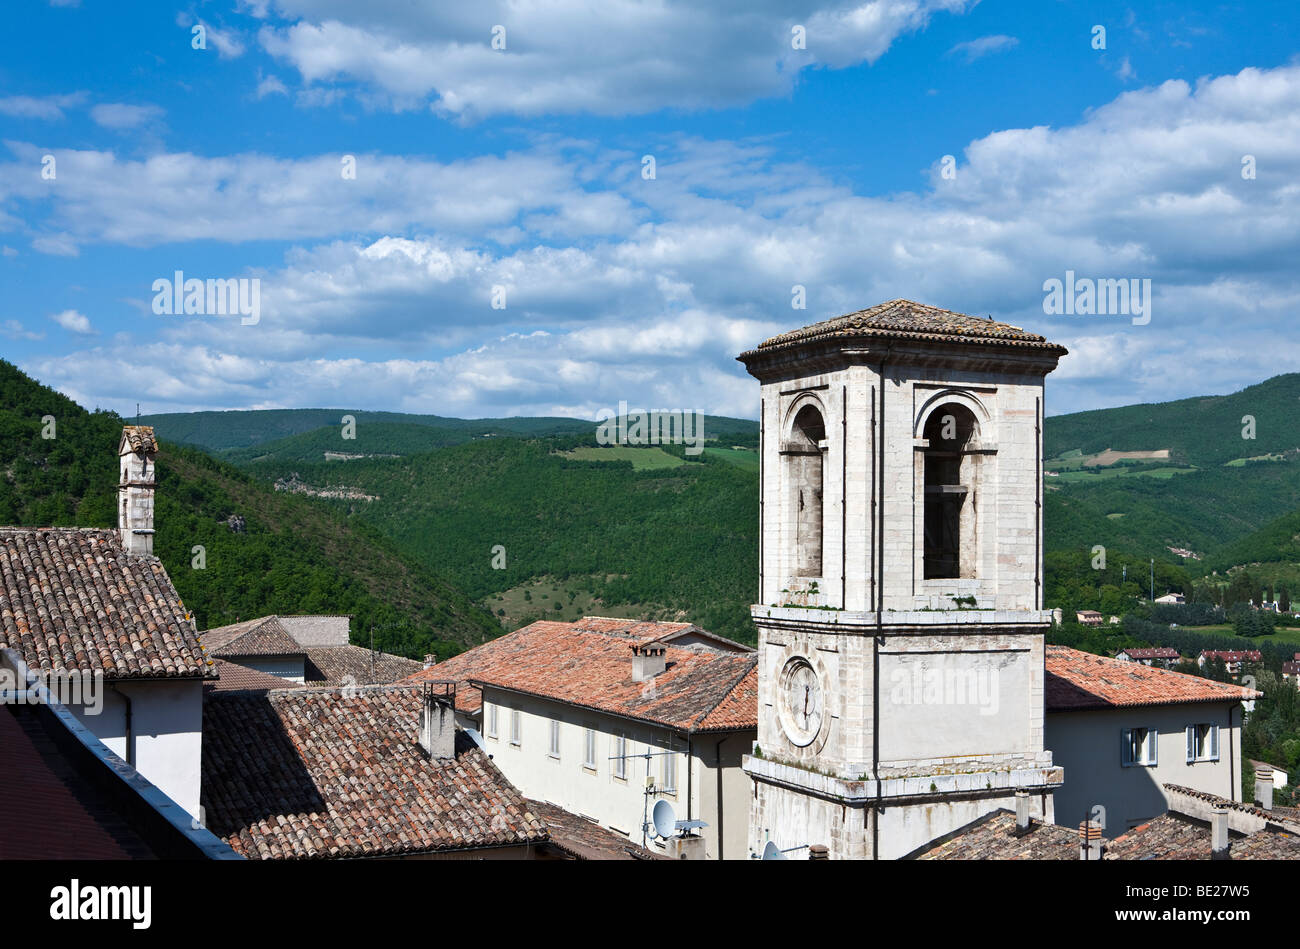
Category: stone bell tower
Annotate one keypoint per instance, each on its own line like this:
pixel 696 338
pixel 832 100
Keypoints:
pixel 136 453
pixel 900 628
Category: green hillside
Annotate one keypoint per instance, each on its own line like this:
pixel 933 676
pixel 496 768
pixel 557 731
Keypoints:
pixel 1200 431
pixel 293 555
pixel 676 541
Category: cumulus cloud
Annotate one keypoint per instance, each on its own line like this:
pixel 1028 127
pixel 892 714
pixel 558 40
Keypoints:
pixel 40 107
pixel 616 58
pixel 615 284
pixel 73 321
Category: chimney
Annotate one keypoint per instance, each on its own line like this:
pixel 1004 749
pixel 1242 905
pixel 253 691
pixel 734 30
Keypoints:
pixel 136 453
pixel 1264 789
pixel 1022 812
pixel 1219 833
pixel 648 660
pixel 430 660
pixel 1089 840
pixel 819 852
pixel 438 719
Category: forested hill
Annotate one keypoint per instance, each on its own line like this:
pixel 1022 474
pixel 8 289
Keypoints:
pixel 1200 431
pixel 286 553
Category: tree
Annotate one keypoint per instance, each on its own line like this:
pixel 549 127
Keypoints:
pixel 1284 599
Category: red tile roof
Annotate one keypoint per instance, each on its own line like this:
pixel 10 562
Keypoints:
pixel 1153 652
pixel 994 837
pixel 236 678
pixel 1080 680
pixel 316 773
pixel 256 637
pixel 71 599
pixel 1245 655
pixel 337 666
pixel 584 839
pixel 588 663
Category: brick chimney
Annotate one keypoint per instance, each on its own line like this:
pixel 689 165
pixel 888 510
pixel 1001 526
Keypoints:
pixel 438 719
pixel 430 660
pixel 1089 840
pixel 136 453
pixel 819 852
pixel 1219 834
pixel 648 660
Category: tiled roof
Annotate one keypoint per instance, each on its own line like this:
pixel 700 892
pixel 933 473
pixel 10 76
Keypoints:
pixel 336 666
pixel 1245 655
pixel 316 773
pixel 71 599
pixel 1080 680
pixel 1291 668
pixel 1173 837
pixel 994 837
pixel 139 438
pixel 584 839
pixel 702 689
pixel 905 319
pixel 233 678
pixel 1281 815
pixel 256 637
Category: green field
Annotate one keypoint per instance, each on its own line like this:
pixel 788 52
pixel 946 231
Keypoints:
pixel 643 459
pixel 1288 635
pixel 742 458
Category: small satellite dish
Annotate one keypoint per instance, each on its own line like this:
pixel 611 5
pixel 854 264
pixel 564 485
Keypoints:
pixel 664 819
pixel 773 852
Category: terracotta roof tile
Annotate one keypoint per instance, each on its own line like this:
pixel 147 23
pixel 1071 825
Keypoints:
pixel 71 599
pixel 906 319
pixel 311 773
pixel 993 837
pixel 258 637
pixel 1080 680
pixel 569 662
pixel 336 666
pixel 584 839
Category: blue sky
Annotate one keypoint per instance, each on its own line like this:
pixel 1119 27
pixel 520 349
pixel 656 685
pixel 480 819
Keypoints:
pixel 522 168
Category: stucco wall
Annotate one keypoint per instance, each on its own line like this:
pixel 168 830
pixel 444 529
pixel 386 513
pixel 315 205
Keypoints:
pixel 1087 745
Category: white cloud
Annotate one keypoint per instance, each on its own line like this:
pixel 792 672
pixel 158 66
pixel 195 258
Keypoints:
pixel 73 321
pixel 40 107
pixel 569 56
pixel 13 329
pixel 270 86
pixel 119 115
pixel 972 50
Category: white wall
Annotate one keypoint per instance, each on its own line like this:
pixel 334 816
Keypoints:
pixel 167 733
pixel 597 793
pixel 1087 745
pixel 290 668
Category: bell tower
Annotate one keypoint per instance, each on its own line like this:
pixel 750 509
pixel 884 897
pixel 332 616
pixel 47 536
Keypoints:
pixel 900 628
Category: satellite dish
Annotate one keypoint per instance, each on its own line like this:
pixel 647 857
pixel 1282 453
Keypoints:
pixel 773 852
pixel 664 819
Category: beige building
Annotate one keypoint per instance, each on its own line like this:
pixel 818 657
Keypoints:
pixel 1124 730
pixel 900 616
pixel 606 717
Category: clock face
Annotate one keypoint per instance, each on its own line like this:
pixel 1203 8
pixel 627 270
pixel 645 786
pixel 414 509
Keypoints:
pixel 802 704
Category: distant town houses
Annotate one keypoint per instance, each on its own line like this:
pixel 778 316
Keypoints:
pixel 1164 656
pixel 1233 660
pixel 1088 617
pixel 1291 671
pixel 1174 598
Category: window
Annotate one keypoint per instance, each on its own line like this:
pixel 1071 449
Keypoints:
pixel 514 726
pixel 492 721
pixel 620 762
pixel 803 464
pixel 555 739
pixel 950 473
pixel 589 749
pixel 668 772
pixel 1138 747
pixel 1202 743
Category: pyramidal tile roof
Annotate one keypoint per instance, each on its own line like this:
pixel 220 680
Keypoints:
pixel 907 319
pixel 73 600
pixel 258 637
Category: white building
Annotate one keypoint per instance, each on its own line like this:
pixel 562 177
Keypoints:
pixel 606 717
pixel 94 612
pixel 1124 730
pixel 901 575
